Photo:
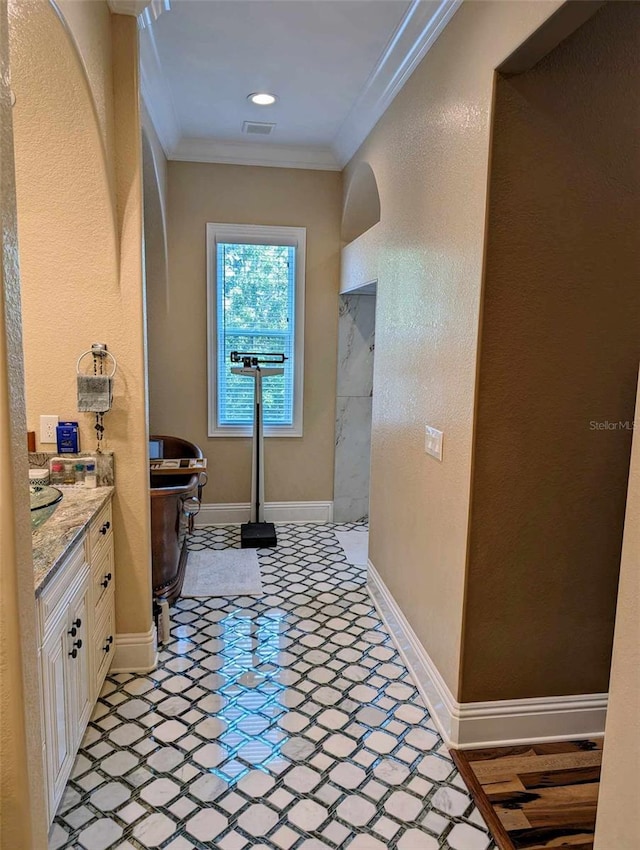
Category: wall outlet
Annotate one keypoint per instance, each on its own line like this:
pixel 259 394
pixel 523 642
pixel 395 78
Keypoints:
pixel 48 425
pixel 433 442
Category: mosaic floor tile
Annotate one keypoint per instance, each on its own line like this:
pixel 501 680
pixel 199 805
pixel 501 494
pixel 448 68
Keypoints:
pixel 281 722
pixel 154 830
pixel 57 837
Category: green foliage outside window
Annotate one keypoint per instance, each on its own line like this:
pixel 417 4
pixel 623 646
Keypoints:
pixel 256 285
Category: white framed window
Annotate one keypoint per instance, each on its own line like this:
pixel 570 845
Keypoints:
pixel 255 302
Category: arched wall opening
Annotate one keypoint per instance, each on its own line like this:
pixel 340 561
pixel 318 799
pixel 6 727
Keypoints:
pixel 362 203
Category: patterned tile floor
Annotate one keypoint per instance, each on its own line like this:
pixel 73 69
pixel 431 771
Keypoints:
pixel 286 722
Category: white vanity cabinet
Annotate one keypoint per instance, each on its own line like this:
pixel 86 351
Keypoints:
pixel 76 624
pixel 100 546
pixel 64 663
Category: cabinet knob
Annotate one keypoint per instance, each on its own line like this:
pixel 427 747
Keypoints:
pixel 78 643
pixel 107 579
pixel 74 653
pixel 107 646
pixel 105 527
pixel 75 625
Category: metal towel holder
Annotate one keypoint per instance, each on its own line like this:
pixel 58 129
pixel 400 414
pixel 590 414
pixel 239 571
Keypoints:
pixel 99 353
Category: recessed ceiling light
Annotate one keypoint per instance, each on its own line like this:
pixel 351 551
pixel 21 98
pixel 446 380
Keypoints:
pixel 261 98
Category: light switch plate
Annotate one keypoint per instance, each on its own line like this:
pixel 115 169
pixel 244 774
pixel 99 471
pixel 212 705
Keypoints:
pixel 48 426
pixel 433 442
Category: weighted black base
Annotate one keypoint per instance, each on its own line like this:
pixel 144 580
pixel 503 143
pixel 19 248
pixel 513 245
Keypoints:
pixel 256 535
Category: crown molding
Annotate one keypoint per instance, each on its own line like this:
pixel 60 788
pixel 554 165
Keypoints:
pixel 252 153
pixel 152 12
pixel 416 33
pixel 146 11
pixel 128 7
pixel 155 90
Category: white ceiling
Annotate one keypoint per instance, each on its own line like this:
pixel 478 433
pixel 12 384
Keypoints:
pixel 335 66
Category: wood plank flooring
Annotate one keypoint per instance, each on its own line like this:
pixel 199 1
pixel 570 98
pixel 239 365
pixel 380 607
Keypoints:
pixel 538 796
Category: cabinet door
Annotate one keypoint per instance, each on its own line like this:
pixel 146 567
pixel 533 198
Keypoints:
pixel 57 710
pixel 78 662
pixel 102 578
pixel 104 645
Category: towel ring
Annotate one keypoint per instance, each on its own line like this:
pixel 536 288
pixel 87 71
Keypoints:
pixel 97 351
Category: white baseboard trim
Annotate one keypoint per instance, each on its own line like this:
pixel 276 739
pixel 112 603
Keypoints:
pixel 485 724
pixel 234 512
pixel 136 652
pixel 432 687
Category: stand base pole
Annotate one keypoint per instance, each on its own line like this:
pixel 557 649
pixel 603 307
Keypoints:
pixel 256 535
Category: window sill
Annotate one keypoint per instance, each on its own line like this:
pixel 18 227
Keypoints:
pixel 269 431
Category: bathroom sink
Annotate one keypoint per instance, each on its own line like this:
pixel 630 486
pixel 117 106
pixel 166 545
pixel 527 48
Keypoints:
pixel 44 501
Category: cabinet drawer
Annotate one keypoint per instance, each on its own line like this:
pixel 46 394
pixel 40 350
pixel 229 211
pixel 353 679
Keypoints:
pixel 101 529
pixel 102 580
pixel 104 646
pixel 70 573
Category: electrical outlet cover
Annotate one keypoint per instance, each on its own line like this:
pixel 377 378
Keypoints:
pixel 48 425
pixel 433 442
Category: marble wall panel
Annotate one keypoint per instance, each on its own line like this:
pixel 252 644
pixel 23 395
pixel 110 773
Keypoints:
pixel 356 336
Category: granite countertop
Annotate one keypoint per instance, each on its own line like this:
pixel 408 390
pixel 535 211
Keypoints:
pixel 55 537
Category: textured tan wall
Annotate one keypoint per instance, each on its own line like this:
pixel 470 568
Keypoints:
pixel 560 345
pixel 81 251
pixel 15 799
pixel 88 21
pixel 22 801
pixel 429 153
pixel 618 823
pixel 127 326
pixel 296 469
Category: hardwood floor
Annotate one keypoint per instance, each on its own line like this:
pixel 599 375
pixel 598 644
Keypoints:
pixel 538 796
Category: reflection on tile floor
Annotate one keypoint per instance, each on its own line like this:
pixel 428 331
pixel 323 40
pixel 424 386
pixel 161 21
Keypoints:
pixel 286 722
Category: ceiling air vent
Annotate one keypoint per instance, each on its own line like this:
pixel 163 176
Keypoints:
pixel 257 128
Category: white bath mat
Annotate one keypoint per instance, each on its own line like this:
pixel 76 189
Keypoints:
pixel 222 572
pixel 355 545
